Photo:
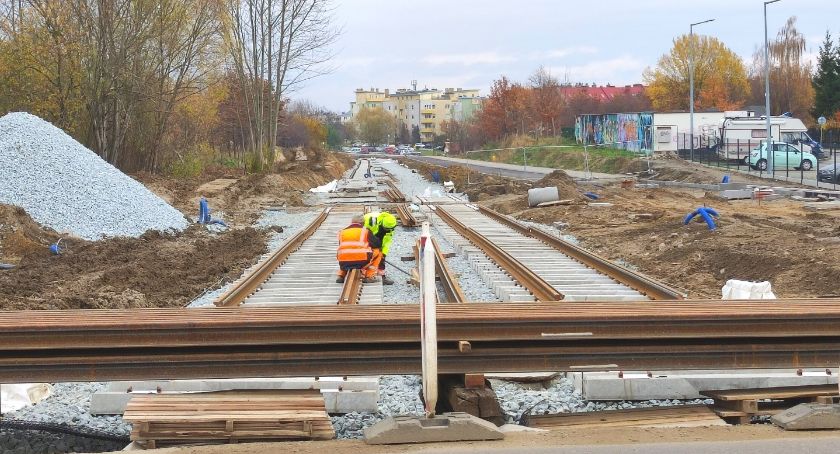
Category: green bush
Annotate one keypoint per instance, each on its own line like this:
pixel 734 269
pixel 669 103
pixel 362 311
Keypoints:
pixel 253 163
pixel 188 166
pixel 230 163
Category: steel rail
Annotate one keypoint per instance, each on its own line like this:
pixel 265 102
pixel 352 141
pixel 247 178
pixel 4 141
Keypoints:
pixel 542 290
pixel 448 280
pixel 637 281
pixel 406 218
pixel 224 327
pixel 394 192
pixel 352 288
pixel 250 283
pixel 404 358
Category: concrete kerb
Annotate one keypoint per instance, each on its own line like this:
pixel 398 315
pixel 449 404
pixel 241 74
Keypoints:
pixel 637 385
pixel 359 394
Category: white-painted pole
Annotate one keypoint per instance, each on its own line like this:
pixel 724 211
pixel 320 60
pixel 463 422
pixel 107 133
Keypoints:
pixel 428 320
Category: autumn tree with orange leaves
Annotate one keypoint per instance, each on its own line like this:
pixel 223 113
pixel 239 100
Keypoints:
pixel 505 110
pixel 720 77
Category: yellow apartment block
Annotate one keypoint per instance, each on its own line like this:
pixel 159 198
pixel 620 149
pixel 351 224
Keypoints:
pixel 426 109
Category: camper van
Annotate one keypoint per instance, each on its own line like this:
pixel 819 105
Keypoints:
pixel 740 135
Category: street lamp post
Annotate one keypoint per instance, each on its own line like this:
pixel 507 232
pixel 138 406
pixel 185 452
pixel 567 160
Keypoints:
pixel 691 82
pixel 770 152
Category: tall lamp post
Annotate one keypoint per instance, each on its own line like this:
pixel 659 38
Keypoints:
pixel 770 152
pixel 691 81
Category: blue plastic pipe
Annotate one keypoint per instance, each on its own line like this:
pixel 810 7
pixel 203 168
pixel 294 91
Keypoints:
pixel 708 214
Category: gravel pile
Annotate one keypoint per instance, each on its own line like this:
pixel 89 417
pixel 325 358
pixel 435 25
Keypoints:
pixel 68 405
pixel 403 245
pixel 471 282
pixel 67 187
pixel 398 395
pixel 561 397
pixel 410 183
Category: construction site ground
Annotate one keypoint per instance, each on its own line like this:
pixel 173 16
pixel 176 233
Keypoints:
pixel 155 270
pixel 627 437
pixel 777 241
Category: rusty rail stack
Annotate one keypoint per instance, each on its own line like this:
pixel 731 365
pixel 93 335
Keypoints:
pixel 98 345
pixel 406 218
pixel 393 193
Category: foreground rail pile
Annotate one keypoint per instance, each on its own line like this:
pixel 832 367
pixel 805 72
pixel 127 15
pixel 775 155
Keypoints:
pixel 93 345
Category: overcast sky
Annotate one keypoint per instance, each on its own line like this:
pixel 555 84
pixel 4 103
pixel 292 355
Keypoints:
pixel 469 43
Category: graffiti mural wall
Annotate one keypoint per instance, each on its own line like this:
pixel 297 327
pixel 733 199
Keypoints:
pixel 627 131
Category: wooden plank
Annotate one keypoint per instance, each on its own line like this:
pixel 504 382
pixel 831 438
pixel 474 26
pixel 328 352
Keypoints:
pixel 743 406
pixel 228 417
pixel 637 417
pixel 783 392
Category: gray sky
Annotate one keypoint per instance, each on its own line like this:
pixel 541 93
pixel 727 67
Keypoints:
pixel 469 43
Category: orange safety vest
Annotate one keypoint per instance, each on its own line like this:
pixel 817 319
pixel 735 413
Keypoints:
pixel 353 245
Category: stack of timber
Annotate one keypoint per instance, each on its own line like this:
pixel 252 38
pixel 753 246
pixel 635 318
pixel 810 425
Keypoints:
pixel 738 406
pixel 679 416
pixel 228 417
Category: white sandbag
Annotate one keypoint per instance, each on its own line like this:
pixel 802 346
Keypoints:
pixel 14 397
pixel 329 187
pixel 745 290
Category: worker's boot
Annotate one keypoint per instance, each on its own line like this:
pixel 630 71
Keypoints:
pixel 339 280
pixel 386 280
pixel 369 280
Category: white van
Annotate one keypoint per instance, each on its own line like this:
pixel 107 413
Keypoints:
pixel 740 135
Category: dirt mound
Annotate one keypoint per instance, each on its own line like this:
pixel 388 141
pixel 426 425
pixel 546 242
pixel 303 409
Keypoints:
pixel 566 186
pixel 155 270
pixel 243 200
pixel 21 237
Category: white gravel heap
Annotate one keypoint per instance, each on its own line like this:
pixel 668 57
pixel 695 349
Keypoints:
pixel 69 188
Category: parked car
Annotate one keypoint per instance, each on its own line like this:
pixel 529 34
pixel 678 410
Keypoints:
pixel 785 155
pixel 829 173
pixel 419 145
pixel 366 150
pixel 356 150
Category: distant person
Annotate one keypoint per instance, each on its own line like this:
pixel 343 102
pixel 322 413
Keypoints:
pixel 355 252
pixel 381 226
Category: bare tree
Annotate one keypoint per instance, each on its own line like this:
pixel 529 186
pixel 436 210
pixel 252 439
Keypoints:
pixel 790 74
pixel 546 102
pixel 275 45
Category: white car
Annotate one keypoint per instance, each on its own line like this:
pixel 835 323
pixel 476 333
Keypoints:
pixel 356 150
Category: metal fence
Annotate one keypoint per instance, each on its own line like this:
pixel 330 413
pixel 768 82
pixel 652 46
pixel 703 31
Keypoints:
pixel 735 155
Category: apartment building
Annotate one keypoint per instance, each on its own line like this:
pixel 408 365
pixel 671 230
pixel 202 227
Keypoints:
pixel 425 109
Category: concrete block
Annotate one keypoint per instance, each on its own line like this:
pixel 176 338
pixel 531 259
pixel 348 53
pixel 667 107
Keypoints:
pixel 687 384
pixel 350 401
pixel 441 428
pixel 809 417
pixel 736 194
pixel 733 185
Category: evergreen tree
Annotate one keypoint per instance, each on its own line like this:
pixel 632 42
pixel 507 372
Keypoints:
pixel 827 79
pixel 415 134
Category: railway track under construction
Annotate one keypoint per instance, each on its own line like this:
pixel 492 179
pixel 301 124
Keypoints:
pixel 520 263
pixel 93 345
pixel 303 271
pixel 541 265
pixel 288 317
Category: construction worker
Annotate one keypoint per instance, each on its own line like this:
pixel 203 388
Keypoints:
pixel 381 226
pixel 355 252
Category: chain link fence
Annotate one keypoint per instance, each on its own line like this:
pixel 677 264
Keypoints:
pixel 794 162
